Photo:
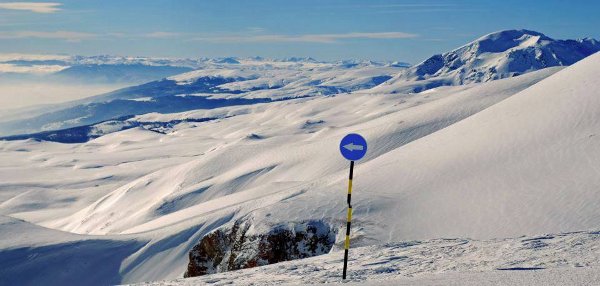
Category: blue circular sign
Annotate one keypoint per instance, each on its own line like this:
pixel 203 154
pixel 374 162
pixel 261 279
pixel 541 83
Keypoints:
pixel 353 147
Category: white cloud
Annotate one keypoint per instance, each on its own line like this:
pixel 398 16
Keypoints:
pixel 61 35
pixel 253 36
pixel 308 38
pixel 30 57
pixel 161 35
pixel 33 69
pixel 36 7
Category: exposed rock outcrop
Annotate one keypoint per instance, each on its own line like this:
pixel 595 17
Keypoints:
pixel 240 246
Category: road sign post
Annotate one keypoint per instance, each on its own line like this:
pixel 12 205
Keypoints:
pixel 353 147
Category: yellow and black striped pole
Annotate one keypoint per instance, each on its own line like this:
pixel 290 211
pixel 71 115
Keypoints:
pixel 349 221
pixel 353 147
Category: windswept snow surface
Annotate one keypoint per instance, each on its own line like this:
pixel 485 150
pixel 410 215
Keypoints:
pixel 33 255
pixel 562 259
pixel 499 159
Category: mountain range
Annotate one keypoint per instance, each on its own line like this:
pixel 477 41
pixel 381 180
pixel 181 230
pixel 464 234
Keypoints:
pixel 491 173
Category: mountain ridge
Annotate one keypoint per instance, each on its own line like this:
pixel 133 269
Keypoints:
pixel 493 56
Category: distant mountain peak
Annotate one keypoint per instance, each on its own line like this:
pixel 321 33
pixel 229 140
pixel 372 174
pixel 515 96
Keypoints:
pixel 228 60
pixel 508 39
pixel 493 56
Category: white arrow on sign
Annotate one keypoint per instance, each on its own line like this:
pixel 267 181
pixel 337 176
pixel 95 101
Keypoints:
pixel 352 147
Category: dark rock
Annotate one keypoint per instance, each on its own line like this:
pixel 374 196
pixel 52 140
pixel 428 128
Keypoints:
pixel 234 247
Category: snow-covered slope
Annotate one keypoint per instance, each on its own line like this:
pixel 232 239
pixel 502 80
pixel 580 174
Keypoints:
pixel 497 55
pixel 256 150
pixel 523 165
pixel 33 255
pixel 171 189
pixel 554 259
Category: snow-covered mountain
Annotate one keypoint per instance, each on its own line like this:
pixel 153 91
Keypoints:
pixel 207 190
pixel 494 56
pixel 120 73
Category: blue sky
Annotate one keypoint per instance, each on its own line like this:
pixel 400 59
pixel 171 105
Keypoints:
pixel 325 29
